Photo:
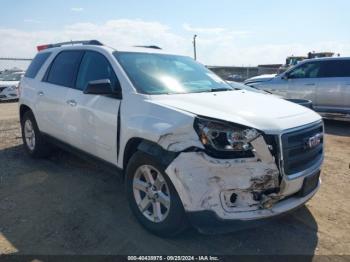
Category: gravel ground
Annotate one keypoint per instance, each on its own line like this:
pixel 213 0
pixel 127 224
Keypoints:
pixel 65 205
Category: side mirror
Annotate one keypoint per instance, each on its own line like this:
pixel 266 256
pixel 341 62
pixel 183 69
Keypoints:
pixel 101 87
pixel 285 76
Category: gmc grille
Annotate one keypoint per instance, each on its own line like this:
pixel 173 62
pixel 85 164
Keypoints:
pixel 297 155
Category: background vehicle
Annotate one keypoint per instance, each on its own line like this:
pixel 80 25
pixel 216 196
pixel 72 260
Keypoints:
pixel 9 85
pixel 324 81
pixel 192 148
pixel 291 61
pixel 302 102
pixel 236 78
pixel 260 78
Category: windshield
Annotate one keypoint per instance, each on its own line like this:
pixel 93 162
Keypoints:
pixel 11 77
pixel 168 74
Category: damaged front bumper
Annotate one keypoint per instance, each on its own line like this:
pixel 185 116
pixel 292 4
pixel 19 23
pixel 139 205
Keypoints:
pixel 238 189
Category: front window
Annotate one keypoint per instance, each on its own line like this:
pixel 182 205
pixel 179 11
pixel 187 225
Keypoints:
pixel 168 74
pixel 307 70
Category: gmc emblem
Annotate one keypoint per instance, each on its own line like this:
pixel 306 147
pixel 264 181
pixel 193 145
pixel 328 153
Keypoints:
pixel 313 141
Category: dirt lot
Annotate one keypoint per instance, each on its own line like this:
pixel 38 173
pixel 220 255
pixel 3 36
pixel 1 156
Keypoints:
pixel 65 205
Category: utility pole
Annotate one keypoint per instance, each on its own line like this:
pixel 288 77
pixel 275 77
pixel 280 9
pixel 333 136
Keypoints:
pixel 194 47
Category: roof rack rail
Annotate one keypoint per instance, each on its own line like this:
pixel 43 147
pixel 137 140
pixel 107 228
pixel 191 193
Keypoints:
pixel 148 46
pixel 81 42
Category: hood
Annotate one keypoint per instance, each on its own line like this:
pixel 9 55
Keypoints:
pixel 9 83
pixel 264 112
pixel 261 78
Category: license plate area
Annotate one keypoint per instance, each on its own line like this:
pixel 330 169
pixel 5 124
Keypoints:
pixel 309 184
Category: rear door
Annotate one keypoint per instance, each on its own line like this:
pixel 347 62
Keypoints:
pixel 303 80
pixel 333 92
pixel 53 91
pixel 93 119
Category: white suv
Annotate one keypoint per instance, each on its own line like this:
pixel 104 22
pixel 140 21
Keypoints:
pixel 193 150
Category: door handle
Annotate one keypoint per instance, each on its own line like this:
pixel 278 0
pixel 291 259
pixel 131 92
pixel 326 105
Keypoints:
pixel 40 93
pixel 310 84
pixel 71 102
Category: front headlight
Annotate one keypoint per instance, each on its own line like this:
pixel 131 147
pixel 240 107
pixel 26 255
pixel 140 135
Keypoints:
pixel 225 137
pixel 12 88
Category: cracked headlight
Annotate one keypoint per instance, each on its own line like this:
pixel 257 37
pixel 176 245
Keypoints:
pixel 225 137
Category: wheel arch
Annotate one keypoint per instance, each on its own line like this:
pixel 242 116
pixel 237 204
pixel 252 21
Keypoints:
pixel 139 144
pixel 23 109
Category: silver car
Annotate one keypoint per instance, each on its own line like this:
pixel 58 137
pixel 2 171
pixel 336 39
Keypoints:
pixel 9 85
pixel 324 81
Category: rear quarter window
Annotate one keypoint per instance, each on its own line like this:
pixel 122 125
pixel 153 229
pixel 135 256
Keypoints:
pixel 36 64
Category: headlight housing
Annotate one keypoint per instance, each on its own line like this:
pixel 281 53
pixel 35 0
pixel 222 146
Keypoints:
pixel 225 139
pixel 12 88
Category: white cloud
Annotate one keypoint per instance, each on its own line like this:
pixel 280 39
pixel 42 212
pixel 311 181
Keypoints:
pixel 215 30
pixel 205 30
pixel 33 21
pixel 77 9
pixel 216 46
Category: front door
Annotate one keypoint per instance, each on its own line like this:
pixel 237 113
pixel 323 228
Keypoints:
pixel 93 119
pixel 303 81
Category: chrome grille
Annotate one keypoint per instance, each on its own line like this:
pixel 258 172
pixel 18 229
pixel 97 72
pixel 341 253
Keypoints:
pixel 298 155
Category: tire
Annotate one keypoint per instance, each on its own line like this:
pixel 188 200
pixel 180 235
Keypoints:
pixel 38 148
pixel 174 220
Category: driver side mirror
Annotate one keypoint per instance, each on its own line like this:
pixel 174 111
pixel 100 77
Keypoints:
pixel 285 76
pixel 102 87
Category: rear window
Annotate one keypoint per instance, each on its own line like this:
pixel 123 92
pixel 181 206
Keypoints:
pixel 64 68
pixel 335 68
pixel 36 64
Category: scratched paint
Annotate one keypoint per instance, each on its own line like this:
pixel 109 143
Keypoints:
pixel 206 183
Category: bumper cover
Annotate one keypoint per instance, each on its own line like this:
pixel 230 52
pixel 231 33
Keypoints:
pixel 236 189
pixel 208 221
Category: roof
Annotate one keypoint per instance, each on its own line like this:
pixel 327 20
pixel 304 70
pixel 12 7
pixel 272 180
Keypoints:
pixel 325 58
pixel 94 44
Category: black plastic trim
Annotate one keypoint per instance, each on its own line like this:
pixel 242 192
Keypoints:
pixel 82 154
pixel 164 156
pixel 118 130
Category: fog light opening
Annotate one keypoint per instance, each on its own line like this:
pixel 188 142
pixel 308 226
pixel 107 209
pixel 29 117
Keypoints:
pixel 233 198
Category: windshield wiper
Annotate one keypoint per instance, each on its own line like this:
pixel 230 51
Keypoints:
pixel 221 89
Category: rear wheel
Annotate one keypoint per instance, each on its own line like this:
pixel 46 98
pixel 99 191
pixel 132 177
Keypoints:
pixel 33 141
pixel 153 198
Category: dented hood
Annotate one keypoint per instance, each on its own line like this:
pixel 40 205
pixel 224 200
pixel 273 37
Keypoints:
pixel 264 112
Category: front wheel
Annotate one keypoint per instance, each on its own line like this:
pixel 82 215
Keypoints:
pixel 153 198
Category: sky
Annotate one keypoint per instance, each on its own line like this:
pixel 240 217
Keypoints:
pixel 229 32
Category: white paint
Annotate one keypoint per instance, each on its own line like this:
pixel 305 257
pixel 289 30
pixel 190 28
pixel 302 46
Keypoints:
pixel 167 120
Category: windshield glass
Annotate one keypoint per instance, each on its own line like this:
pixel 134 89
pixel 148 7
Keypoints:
pixel 11 77
pixel 168 74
